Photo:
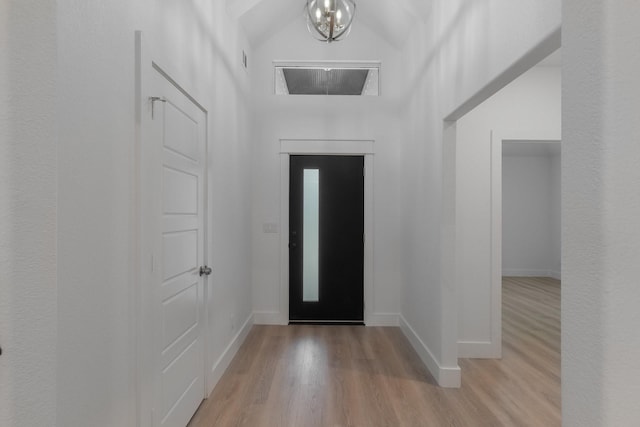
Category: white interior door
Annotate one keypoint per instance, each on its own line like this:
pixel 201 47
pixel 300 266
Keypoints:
pixel 180 153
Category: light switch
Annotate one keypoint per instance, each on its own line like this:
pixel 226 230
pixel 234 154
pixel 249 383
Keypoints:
pixel 270 227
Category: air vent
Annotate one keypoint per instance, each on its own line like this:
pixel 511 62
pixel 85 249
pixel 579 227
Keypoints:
pixel 326 79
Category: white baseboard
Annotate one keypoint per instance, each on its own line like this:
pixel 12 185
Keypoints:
pixel 268 318
pixel 383 319
pixel 449 377
pixel 275 318
pixel 221 365
pixel 555 275
pixel 530 273
pixel 479 350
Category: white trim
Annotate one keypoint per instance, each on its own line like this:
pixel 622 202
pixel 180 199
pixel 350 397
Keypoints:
pixel 267 318
pixel 221 365
pixel 324 147
pixel 497 138
pixel 383 319
pixel 448 221
pixel 477 350
pixel 283 309
pixel 516 272
pixel 327 63
pixel 135 274
pixel 144 246
pixel 495 255
pixel 446 376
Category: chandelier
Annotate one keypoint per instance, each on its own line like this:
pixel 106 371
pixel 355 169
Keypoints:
pixel 330 20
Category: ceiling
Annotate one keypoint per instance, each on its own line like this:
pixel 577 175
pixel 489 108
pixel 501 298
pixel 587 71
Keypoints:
pixel 391 20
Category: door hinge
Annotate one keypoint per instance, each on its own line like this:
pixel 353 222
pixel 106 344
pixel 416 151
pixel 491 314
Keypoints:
pixel 153 100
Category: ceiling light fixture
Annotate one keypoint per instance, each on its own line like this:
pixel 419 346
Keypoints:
pixel 330 20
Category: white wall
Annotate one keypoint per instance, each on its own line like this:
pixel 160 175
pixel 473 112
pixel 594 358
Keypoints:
pixel 28 206
pixel 530 210
pixel 456 58
pixel 195 43
pixel 72 132
pixel 531 103
pixel 601 210
pixel 556 215
pixel 318 117
pixel 459 54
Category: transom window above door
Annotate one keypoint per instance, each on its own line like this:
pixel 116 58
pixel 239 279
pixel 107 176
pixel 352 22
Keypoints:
pixel 327 78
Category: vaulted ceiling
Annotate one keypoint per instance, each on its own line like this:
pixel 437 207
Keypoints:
pixel 391 19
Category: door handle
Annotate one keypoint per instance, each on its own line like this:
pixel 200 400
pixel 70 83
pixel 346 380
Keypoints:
pixel 205 271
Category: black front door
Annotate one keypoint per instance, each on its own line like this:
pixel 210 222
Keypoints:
pixel 326 239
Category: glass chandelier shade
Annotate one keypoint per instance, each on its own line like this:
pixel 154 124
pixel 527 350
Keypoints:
pixel 330 20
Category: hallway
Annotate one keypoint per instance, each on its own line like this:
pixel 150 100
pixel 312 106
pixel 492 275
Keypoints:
pixel 356 376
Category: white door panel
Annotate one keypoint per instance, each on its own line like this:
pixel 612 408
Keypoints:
pixel 181 132
pixel 180 253
pixel 181 394
pixel 173 350
pixel 180 313
pixel 180 192
pixel 174 223
pixel 180 150
pixel 179 283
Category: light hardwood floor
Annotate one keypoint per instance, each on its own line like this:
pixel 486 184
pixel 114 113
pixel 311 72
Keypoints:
pixel 306 376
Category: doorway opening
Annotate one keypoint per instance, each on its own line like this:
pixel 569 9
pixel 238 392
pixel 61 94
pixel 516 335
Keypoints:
pixel 362 148
pixel 522 104
pixel 531 199
pixel 527 109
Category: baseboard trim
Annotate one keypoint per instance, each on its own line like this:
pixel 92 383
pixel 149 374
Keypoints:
pixel 268 318
pixel 478 350
pixel 221 365
pixel 383 319
pixel 449 377
pixel 375 319
pixel 530 273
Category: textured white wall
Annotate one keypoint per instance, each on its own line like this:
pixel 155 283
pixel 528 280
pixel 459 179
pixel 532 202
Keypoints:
pixel 531 103
pixel 27 213
pixel 460 54
pixel 318 117
pixel 96 119
pixel 200 48
pixel 556 215
pixel 68 134
pixel 529 234
pixel 601 209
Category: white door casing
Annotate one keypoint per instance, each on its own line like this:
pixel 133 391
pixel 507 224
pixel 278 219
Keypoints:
pixel 364 148
pixel 173 182
pixel 494 347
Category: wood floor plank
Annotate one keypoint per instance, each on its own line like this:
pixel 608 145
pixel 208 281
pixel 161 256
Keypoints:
pixel 330 376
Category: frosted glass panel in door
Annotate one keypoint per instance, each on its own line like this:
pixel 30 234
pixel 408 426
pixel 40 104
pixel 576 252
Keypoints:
pixel 311 221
